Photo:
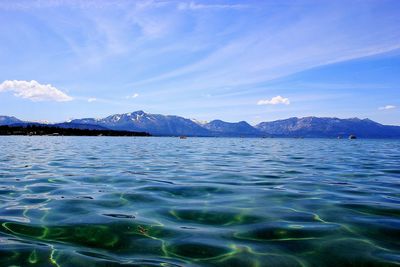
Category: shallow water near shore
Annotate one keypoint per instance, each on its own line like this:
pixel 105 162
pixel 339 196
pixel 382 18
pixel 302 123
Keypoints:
pixel 134 201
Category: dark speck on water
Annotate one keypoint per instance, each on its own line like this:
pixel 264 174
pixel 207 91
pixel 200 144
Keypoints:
pixel 122 216
pixel 84 197
pixel 115 201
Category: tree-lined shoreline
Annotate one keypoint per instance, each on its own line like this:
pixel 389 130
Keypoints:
pixel 31 130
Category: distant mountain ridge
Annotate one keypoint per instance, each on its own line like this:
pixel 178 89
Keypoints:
pixel 12 121
pixel 328 127
pixel 223 128
pixel 169 125
pixel 7 120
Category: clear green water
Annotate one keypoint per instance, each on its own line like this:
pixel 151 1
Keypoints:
pixel 107 201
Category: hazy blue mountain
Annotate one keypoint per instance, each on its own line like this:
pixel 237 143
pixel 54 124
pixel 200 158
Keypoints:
pixel 223 128
pixel 7 120
pixel 12 121
pixel 328 127
pixel 155 124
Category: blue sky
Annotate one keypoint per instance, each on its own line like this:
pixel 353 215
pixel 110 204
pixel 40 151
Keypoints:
pixel 231 60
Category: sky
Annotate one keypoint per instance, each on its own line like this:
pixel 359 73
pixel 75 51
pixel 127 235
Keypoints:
pixel 231 60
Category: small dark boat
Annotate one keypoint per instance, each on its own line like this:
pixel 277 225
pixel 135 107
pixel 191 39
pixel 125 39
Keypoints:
pixel 182 137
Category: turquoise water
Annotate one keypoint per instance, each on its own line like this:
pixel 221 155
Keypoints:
pixel 123 201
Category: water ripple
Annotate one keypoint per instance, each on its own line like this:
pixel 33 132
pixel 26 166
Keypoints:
pixel 109 201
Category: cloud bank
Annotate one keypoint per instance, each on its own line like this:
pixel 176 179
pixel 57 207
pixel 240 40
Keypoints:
pixel 132 96
pixel 387 107
pixel 34 91
pixel 274 101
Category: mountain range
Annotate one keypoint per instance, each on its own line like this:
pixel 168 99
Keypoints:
pixel 168 125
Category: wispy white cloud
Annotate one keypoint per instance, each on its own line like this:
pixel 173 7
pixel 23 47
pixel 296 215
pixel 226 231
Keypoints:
pixel 274 101
pixel 135 95
pixel 197 6
pixel 92 99
pixel 34 91
pixel 387 107
pixel 278 49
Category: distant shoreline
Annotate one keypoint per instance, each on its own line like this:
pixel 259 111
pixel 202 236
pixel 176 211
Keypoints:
pixel 38 130
pixel 46 130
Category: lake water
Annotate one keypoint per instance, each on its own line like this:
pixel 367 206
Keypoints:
pixel 111 201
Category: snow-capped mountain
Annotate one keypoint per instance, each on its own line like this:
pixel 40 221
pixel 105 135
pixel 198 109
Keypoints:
pixel 199 122
pixel 155 124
